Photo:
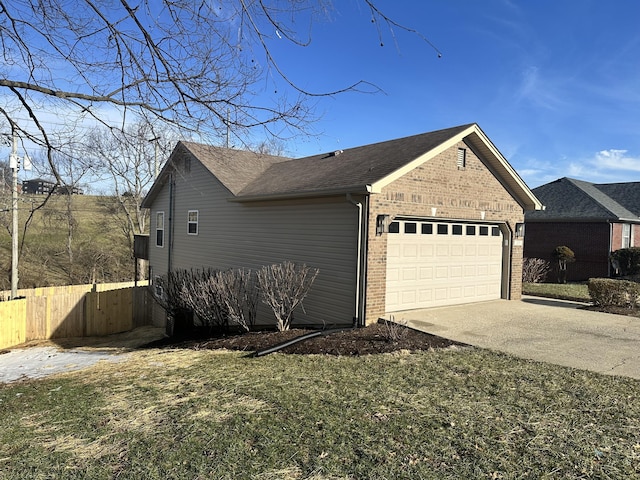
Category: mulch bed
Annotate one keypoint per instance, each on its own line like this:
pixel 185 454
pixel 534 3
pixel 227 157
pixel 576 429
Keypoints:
pixel 360 341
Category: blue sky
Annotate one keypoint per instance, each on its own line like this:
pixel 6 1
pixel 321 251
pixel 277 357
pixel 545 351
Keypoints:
pixel 554 84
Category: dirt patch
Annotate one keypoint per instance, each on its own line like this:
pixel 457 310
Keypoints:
pixel 360 341
pixel 118 341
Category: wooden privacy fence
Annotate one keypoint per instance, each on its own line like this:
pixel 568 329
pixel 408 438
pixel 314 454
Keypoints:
pixel 74 311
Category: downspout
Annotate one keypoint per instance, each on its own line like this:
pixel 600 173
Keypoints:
pixel 170 225
pixel 610 250
pixel 357 319
pixel 170 325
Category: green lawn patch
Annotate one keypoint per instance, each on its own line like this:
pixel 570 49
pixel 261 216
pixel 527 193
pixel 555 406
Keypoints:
pixel 567 291
pixel 455 413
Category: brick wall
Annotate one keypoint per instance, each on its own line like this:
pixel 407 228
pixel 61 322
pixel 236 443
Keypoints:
pixel 589 242
pixel 460 194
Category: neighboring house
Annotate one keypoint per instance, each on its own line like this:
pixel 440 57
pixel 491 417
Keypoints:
pixel 591 219
pixel 417 222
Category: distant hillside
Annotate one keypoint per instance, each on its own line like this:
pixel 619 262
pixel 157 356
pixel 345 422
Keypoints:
pixel 97 249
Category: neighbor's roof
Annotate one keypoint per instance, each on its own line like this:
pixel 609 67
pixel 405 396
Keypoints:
pixel 568 199
pixel 360 170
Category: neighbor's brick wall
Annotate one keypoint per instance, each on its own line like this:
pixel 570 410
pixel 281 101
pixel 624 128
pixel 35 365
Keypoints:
pixel 589 241
pixel 616 236
pixel 457 194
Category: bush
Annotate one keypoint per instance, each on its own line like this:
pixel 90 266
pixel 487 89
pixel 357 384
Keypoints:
pixel 610 292
pixel 168 293
pixel 283 287
pixel 219 298
pixel 563 255
pixel 535 270
pixel 626 261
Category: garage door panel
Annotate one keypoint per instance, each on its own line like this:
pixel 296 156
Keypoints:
pixel 442 272
pixel 426 273
pixel 410 273
pixel 410 251
pixel 455 272
pixel 393 274
pixel 427 270
pixel 426 251
pixel 393 251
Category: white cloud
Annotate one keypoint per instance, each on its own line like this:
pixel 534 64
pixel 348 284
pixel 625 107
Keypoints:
pixel 605 166
pixel 616 160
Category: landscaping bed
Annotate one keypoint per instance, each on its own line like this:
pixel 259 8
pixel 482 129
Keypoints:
pixel 376 338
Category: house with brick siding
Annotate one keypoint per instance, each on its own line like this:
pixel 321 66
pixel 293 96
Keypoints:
pixel 592 219
pixel 417 222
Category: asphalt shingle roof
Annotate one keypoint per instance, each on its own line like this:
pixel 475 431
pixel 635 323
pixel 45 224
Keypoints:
pixel 234 168
pixel 571 199
pixel 353 167
pixel 252 176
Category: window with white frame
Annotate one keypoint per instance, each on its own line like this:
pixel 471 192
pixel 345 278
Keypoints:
pixel 192 222
pixel 160 229
pixel 626 235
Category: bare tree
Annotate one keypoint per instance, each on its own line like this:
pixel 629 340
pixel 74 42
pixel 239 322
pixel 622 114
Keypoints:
pixel 284 286
pixel 194 64
pixel 129 159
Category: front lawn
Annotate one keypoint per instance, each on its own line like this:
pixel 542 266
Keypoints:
pixel 453 413
pixel 567 291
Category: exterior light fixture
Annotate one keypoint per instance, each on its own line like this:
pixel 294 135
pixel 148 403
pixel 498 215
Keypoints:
pixel 382 224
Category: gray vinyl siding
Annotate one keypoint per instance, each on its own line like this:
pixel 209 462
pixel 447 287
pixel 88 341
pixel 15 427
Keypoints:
pixel 158 257
pixel 321 233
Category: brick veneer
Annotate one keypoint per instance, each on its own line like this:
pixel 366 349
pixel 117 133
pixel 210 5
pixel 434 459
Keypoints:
pixel 456 194
pixel 592 242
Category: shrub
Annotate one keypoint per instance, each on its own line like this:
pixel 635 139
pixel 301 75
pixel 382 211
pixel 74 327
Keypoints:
pixel 626 261
pixel 563 255
pixel 202 295
pixel 610 292
pixel 394 331
pixel 535 270
pixel 167 290
pixel 238 293
pixel 219 298
pixel 283 287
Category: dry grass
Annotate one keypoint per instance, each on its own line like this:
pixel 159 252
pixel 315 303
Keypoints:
pixel 457 413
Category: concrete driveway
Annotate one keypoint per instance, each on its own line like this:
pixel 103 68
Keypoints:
pixel 540 329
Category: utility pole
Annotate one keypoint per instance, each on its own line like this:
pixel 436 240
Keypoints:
pixel 14 164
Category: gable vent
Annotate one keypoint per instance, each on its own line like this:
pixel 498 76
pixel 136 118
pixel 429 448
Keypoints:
pixel 462 158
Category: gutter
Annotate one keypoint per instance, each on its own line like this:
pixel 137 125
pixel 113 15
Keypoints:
pixel 356 190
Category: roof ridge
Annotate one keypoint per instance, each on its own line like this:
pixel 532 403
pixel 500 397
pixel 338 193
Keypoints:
pixel 586 186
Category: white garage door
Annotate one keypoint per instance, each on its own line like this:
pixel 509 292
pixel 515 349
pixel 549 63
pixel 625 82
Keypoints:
pixel 432 264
